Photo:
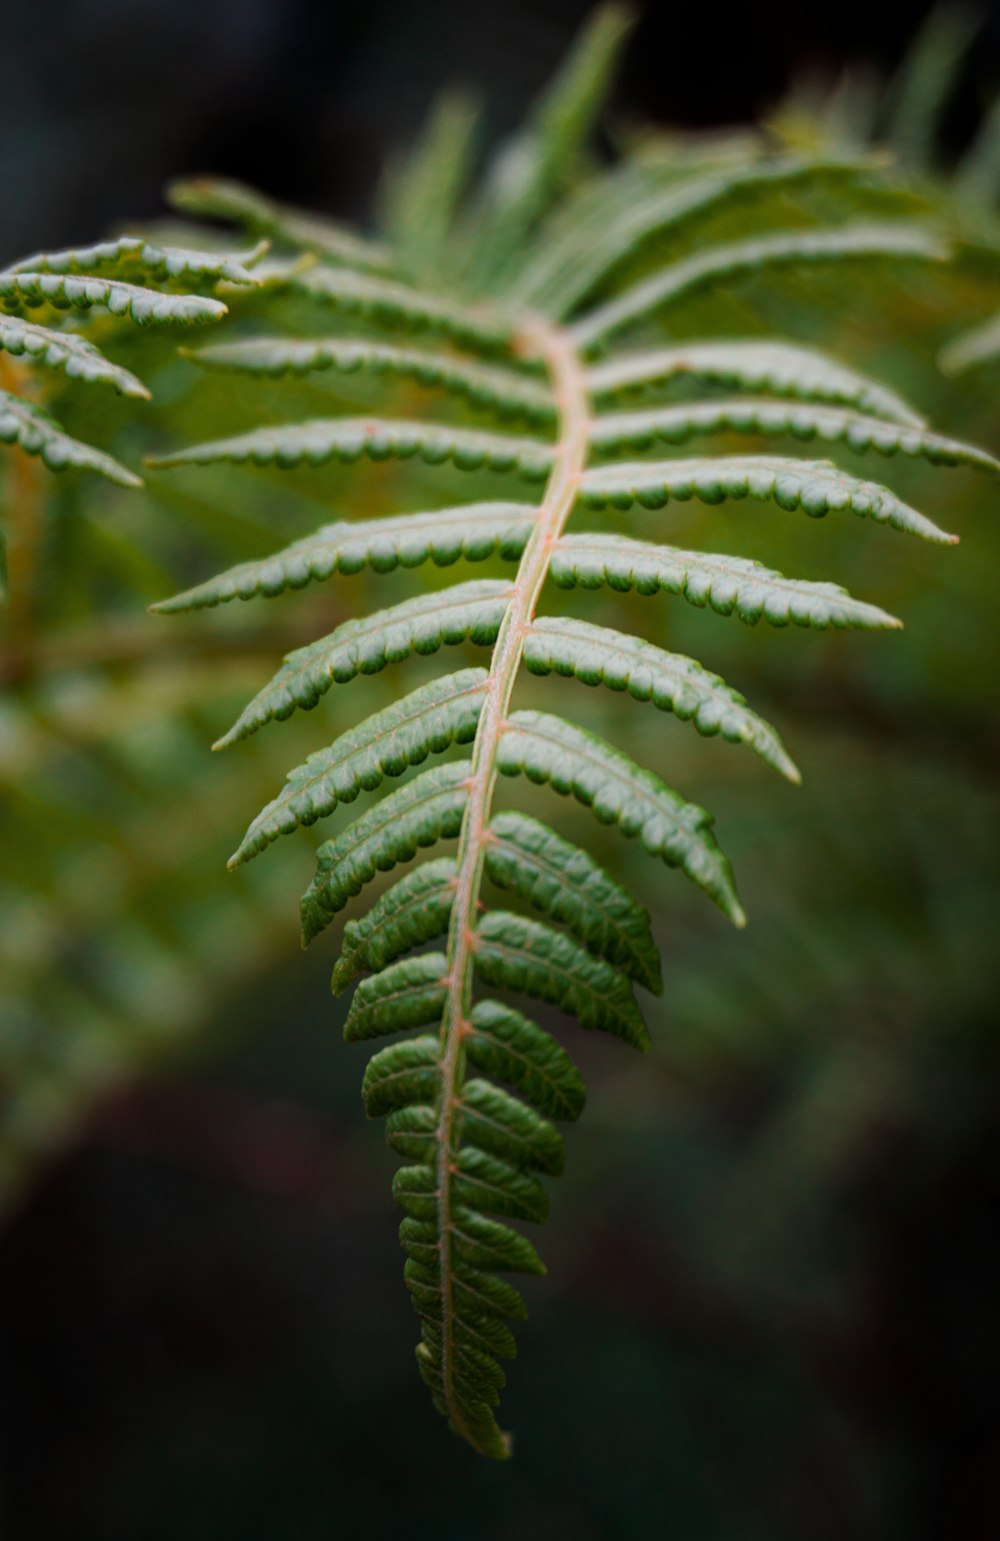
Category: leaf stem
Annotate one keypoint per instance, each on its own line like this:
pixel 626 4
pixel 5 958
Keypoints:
pixel 553 345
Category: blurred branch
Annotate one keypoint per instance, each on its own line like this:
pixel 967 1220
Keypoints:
pixel 141 641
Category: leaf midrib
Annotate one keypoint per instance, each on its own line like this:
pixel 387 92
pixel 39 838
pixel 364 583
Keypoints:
pixel 553 345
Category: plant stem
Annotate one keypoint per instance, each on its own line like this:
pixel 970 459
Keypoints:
pixel 553 345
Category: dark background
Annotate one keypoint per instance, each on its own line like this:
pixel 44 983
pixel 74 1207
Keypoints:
pixel 205 1334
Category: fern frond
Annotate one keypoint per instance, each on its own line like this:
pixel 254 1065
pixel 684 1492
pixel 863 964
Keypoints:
pixel 730 585
pixel 348 438
pixel 525 858
pixel 576 763
pixel 392 303
pixel 416 909
pixel 815 486
pixel 507 1046
pixel 427 721
pixel 784 369
pixel 483 1184
pixel 427 809
pixel 81 280
pixel 409 993
pixel 468 611
pixel 400 1075
pixel 515 953
pixel 519 288
pixel 597 655
pixel 675 425
pixel 503 1125
pixel 422 198
pixel 474 532
pixel 569 269
pixel 559 879
pixel 135 259
pixel 979 346
pixel 503 390
pixel 34 431
pixel 221 199
pixel 21 291
pixel 977 175
pixel 539 162
pixel 847 243
pixel 925 79
pixel 77 358
pixel 496 1123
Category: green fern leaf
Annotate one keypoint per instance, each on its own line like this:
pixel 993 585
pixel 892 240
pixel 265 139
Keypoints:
pixel 35 432
pixel 496 1123
pixel 427 809
pixel 506 283
pixel 850 242
pixel 597 655
pixel 482 1183
pixel 977 174
pixel 571 268
pixel 503 390
pixel 479 1241
pixel 222 199
pixel 817 487
pixel 783 368
pixel 473 532
pixel 516 953
pixel 919 92
pixel 468 611
pixel 133 258
pixel 675 425
pixel 416 909
pixel 579 764
pixel 348 438
pixel 422 198
pixel 404 1073
pixel 20 291
pixel 525 857
pixel 972 349
pixel 73 355
pixel 538 162
pixel 392 303
pixel 427 721
pixel 507 1046
pixel 409 993
pixel 501 1124
pixel 731 585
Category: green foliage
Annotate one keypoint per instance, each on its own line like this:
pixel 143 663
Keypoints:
pixel 427 721
pixel 117 277
pixel 727 584
pixel 598 655
pixel 33 431
pixel 783 369
pixel 514 300
pixel 472 532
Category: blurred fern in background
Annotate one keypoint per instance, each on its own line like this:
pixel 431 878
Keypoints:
pixel 854 1009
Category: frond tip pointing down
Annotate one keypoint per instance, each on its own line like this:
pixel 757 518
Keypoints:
pixel 470 1086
